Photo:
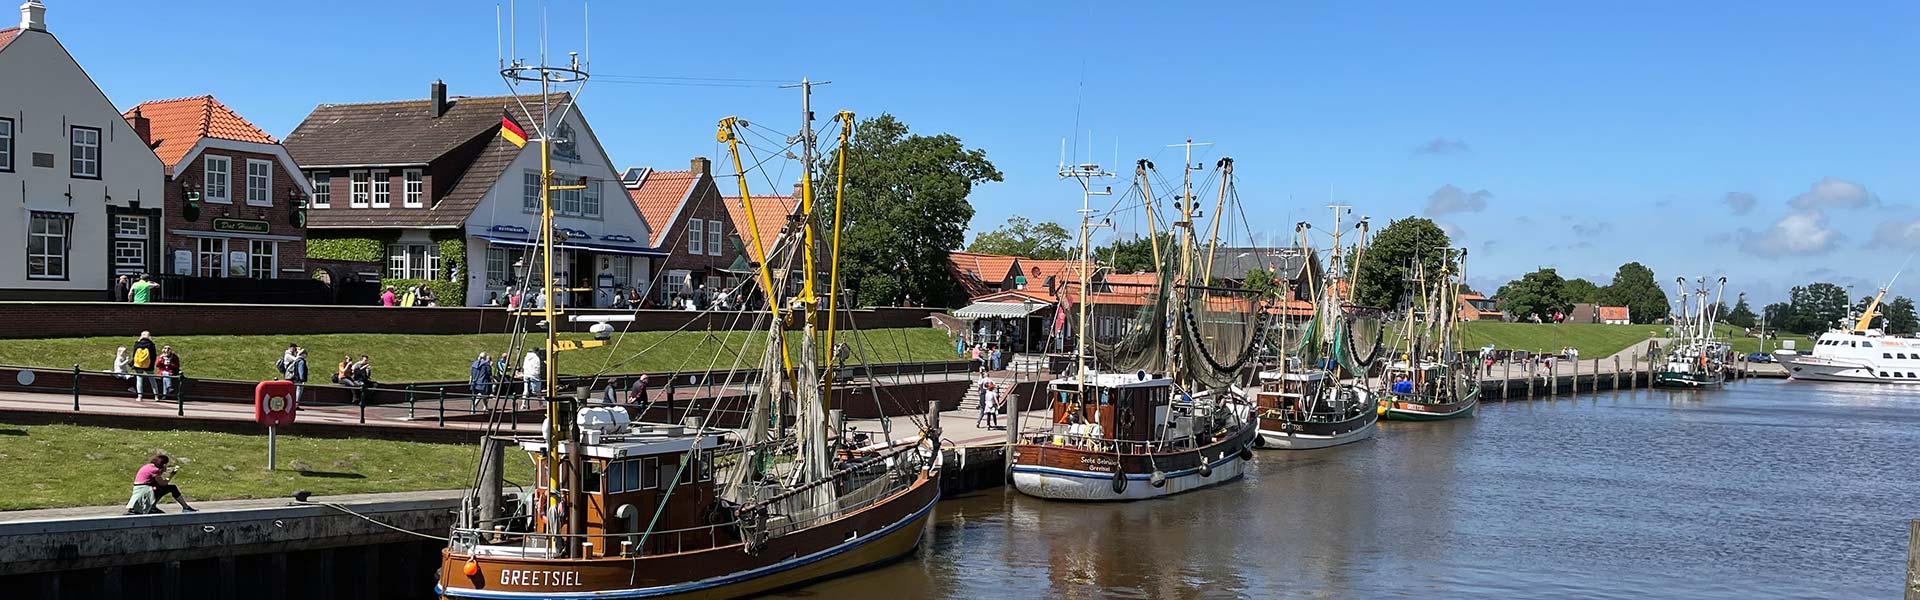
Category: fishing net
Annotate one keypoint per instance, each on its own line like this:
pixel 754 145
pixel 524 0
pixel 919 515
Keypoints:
pixel 1223 328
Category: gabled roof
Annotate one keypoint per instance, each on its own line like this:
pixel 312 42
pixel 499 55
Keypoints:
pixel 1233 263
pixel 658 196
pixel 986 267
pixel 7 35
pixel 177 125
pixel 401 133
pixel 769 214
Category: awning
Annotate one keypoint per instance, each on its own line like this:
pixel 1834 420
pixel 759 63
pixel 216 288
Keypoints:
pixel 580 246
pixel 1000 310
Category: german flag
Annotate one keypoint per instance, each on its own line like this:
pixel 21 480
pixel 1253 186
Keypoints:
pixel 512 131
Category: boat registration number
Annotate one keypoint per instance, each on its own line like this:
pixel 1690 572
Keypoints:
pixel 539 577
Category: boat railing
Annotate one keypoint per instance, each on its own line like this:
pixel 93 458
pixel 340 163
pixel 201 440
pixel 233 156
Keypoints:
pixel 497 540
pixel 1108 446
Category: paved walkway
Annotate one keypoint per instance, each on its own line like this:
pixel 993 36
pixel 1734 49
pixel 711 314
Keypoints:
pixel 208 507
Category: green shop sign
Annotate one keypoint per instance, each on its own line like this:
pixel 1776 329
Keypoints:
pixel 241 225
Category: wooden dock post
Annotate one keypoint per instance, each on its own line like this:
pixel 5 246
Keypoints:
pixel 1575 388
pixel 1506 378
pixel 1533 372
pixel 1913 560
pixel 1553 378
pixel 1616 372
pixel 1594 386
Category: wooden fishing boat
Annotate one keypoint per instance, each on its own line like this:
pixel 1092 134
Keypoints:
pixel 1307 410
pixel 1433 380
pixel 1694 358
pixel 1433 392
pixel 1311 400
pixel 1127 437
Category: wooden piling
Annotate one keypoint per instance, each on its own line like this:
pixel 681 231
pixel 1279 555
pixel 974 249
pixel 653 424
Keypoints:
pixel 1533 372
pixel 1553 378
pixel 1913 559
pixel 1506 378
pixel 1616 372
pixel 1594 386
pixel 1575 387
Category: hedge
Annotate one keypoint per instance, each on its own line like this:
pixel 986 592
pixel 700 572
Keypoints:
pixel 373 249
pixel 330 246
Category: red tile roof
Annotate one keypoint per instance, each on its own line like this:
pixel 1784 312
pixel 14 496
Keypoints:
pixel 769 213
pixel 7 35
pixel 178 124
pixel 659 197
pixel 1613 313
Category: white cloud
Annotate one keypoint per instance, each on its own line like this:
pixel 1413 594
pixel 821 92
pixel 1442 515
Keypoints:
pixel 1896 234
pixel 1830 192
pixel 1741 202
pixel 1455 234
pixel 1801 232
pixel 1450 199
pixel 1438 146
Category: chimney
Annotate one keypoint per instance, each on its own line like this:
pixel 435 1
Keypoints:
pixel 33 16
pixel 702 166
pixel 438 96
pixel 142 126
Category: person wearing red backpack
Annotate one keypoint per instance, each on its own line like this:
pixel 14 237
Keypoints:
pixel 145 354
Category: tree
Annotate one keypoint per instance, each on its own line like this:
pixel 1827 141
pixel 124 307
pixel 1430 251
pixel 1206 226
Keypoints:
pixel 1901 319
pixel 905 209
pixel 1813 308
pixel 1381 279
pixel 1772 314
pixel 1583 291
pixel 1540 293
pixel 1132 255
pixel 1741 315
pixel 1263 281
pixel 1045 240
pixel 1633 287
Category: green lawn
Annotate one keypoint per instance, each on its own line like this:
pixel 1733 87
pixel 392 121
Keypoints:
pixel 402 358
pixel 68 465
pixel 1594 340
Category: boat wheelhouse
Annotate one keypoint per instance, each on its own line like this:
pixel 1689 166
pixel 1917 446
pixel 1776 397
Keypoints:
pixel 1118 436
pixel 1303 410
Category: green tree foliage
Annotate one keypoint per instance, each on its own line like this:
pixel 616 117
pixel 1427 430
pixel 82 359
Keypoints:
pixel 1901 319
pixel 1131 255
pixel 1741 315
pixel 1540 293
pixel 1264 281
pixel 1633 287
pixel 1772 314
pixel 1581 290
pixel 1381 279
pixel 1045 240
pixel 1813 308
pixel 905 209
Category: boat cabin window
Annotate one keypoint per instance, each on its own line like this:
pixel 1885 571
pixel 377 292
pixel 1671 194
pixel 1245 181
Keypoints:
pixel 703 466
pixel 632 475
pixel 1903 356
pixel 1866 344
pixel 1888 355
pixel 590 474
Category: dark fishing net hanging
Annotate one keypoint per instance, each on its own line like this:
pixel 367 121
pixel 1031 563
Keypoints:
pixel 1223 329
pixel 1127 324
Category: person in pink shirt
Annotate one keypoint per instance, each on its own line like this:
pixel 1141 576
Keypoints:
pixel 156 475
pixel 388 299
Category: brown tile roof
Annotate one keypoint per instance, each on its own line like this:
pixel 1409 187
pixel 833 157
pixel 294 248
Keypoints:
pixel 7 35
pixel 991 268
pixel 659 197
pixel 400 133
pixel 769 212
pixel 177 125
pixel 1613 313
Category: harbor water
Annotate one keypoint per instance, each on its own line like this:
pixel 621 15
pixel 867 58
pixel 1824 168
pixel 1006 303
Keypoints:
pixel 1763 489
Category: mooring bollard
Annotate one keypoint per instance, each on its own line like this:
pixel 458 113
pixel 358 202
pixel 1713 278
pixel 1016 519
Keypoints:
pixel 76 388
pixel 443 406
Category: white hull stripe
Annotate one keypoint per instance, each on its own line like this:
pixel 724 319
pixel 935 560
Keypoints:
pixel 1108 475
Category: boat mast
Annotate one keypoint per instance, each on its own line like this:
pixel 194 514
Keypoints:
pixel 1085 173
pixel 1184 276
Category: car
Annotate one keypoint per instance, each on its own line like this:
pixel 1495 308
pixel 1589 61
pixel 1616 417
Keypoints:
pixel 1760 357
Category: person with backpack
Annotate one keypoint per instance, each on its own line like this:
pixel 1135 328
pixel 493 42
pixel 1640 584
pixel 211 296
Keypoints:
pixel 297 373
pixel 168 367
pixel 145 353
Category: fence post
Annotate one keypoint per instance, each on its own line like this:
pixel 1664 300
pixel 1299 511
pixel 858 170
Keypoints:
pixel 180 397
pixel 409 403
pixel 443 406
pixel 76 388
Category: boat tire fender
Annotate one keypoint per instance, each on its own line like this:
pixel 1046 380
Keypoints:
pixel 1119 482
pixel 1246 453
pixel 1206 470
pixel 1259 441
pixel 1159 478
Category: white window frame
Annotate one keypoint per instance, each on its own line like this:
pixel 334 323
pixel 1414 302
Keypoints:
pixel 622 270
pixel 263 259
pixel 673 284
pixel 214 248
pixel 413 188
pixel 357 189
pixel 322 182
pixel 530 193
pixel 590 200
pixel 130 236
pixel 53 246
pixel 264 179
pixel 382 188
pixel 216 189
pixel 696 236
pixel 6 145
pixel 714 239
pixel 404 263
pixel 83 151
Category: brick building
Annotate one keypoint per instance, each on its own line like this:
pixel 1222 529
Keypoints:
pixel 234 197
pixel 700 229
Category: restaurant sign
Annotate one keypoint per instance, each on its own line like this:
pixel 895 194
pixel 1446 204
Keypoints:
pixel 241 225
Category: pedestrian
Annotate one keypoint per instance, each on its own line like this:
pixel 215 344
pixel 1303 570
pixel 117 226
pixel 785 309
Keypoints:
pixel 141 292
pixel 145 353
pixel 996 359
pixel 480 375
pixel 168 368
pixel 530 374
pixel 427 297
pixel 121 363
pixel 387 298
pixel 122 289
pixel 986 404
pixel 343 374
pixel 638 393
pixel 503 373
pixel 286 360
pixel 157 476
pixel 361 373
pixel 297 373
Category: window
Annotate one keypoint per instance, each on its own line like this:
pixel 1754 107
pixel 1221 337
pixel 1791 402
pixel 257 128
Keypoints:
pixel 622 271
pixel 215 172
pixel 569 201
pixel 259 183
pixel 530 192
pixel 675 283
pixel 413 188
pixel 264 261
pixel 1885 355
pixel 713 237
pixel 357 190
pixel 413 261
pixel 1903 356
pixel 48 240
pixel 129 244
pixel 322 188
pixel 381 196
pixel 704 466
pixel 590 200
pixel 1866 344
pixel 696 236
pixel 213 257
pixel 6 144
pixel 500 270
pixel 85 152
pixel 649 473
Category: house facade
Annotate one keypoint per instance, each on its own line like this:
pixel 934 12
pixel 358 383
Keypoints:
pixel 691 225
pixel 81 189
pixel 234 197
pixel 431 192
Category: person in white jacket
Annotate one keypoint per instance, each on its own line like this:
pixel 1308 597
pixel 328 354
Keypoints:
pixel 530 373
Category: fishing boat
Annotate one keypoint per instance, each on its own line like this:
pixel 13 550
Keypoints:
pixel 618 509
pixel 1309 399
pixel 1858 353
pixel 1159 407
pixel 1432 379
pixel 1694 358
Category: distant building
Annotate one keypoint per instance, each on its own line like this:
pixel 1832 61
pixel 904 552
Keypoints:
pixel 1594 313
pixel 84 193
pixel 1475 307
pixel 689 220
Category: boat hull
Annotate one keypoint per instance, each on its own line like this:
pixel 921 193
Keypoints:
pixel 1813 368
pixel 1683 379
pixel 871 536
pixel 1058 472
pixel 1299 440
pixel 1404 408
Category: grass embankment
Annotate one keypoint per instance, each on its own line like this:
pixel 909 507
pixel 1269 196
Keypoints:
pixel 403 358
pixel 68 465
pixel 1594 340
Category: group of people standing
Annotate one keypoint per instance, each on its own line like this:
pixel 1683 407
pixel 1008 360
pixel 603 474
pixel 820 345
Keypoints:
pixel 152 367
pixel 416 295
pixel 138 289
pixel 494 377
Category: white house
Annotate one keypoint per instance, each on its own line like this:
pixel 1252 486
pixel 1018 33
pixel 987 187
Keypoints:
pixel 79 190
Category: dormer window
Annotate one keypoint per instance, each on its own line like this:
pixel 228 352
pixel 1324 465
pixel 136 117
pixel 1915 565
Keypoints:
pixel 413 188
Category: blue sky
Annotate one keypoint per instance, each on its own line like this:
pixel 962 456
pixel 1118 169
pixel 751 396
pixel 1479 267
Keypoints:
pixel 1545 134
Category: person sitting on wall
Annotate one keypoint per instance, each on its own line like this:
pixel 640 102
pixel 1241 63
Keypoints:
pixel 153 482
